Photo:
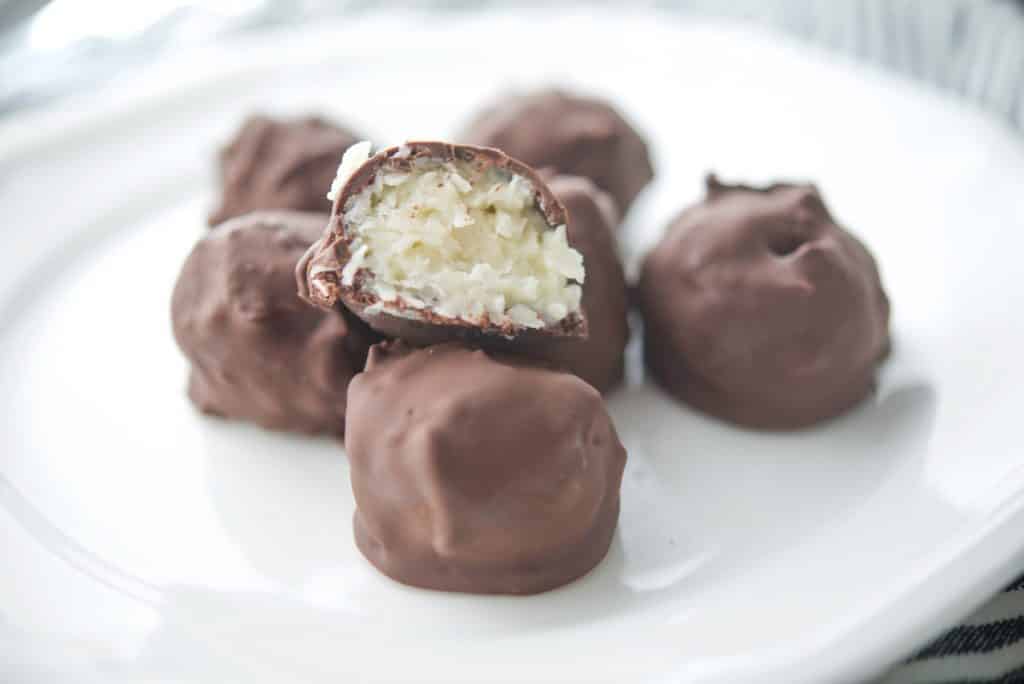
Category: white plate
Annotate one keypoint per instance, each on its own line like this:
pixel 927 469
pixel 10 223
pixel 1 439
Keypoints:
pixel 143 542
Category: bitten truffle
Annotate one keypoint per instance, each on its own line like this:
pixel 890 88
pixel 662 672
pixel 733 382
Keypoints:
pixel 279 164
pixel 761 310
pixel 598 358
pixel 430 242
pixel 576 135
pixel 479 473
pixel 257 351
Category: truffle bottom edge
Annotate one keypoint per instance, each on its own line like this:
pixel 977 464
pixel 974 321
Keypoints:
pixel 429 571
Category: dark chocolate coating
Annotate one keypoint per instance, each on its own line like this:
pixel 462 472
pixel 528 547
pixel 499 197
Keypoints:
pixel 579 136
pixel 280 164
pixel 480 473
pixel 593 217
pixel 257 351
pixel 759 309
pixel 318 275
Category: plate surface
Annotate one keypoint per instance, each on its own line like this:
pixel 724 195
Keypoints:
pixel 142 541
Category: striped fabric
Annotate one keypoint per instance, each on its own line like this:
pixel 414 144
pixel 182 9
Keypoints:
pixel 988 648
pixel 973 48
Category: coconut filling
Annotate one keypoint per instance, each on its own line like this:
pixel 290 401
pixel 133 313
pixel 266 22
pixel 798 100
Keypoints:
pixel 464 242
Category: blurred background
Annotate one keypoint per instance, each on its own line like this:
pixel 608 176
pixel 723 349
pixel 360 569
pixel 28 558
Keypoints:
pixel 53 50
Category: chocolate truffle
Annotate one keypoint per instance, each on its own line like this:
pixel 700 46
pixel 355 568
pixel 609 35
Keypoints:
pixel 257 351
pixel 431 242
pixel 598 358
pixel 759 309
pixel 279 164
pixel 577 135
pixel 479 473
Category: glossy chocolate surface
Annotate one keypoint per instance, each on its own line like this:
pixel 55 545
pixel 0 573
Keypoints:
pixel 480 473
pixel 760 309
